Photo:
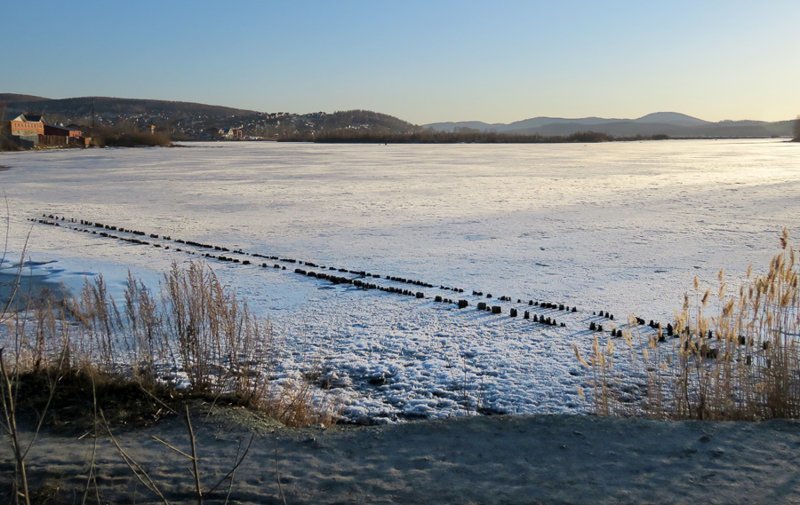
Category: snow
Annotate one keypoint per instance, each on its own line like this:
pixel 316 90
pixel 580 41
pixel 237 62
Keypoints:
pixel 618 227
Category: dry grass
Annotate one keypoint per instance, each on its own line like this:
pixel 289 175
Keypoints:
pixel 192 339
pixel 87 362
pixel 734 355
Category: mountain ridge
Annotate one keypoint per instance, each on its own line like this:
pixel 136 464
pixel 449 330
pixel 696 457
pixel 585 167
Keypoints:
pixel 198 121
pixel 673 124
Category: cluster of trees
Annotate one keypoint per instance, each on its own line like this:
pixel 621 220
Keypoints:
pixel 461 136
pixel 797 129
pixel 112 137
pixel 6 142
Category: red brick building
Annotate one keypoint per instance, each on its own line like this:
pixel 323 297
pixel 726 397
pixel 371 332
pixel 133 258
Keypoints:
pixel 32 128
pixel 26 125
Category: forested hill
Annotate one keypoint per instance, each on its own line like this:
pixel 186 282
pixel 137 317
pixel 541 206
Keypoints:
pixel 194 121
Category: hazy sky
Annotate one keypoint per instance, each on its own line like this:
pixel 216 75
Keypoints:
pixel 423 61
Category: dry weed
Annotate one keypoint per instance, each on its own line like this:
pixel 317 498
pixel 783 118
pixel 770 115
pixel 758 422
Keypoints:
pixel 734 356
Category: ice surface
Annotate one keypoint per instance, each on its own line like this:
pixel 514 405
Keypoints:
pixel 622 227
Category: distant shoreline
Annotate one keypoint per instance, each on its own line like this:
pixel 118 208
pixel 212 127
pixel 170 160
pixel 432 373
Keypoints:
pixel 512 140
pixel 377 140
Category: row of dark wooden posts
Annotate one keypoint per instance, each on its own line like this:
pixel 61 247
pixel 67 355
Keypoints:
pixel 324 273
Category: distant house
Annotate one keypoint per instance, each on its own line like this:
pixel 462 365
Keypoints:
pixel 27 125
pixel 236 133
pixel 33 129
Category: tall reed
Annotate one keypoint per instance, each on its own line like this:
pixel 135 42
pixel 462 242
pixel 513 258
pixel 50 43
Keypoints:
pixel 735 354
pixel 219 342
pixel 194 336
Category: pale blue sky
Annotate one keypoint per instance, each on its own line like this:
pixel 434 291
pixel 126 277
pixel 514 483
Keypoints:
pixel 423 61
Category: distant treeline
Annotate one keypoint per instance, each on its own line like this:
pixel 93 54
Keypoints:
pixel 109 137
pixel 6 142
pixel 457 137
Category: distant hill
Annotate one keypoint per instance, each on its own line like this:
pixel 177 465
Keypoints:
pixel 450 126
pixel 109 106
pixel 15 97
pixel 672 118
pixel 673 124
pixel 194 121
pixel 180 119
pixel 358 120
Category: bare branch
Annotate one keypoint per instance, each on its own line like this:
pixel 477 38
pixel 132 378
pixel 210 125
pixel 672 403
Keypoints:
pixel 236 465
pixel 195 466
pixel 135 467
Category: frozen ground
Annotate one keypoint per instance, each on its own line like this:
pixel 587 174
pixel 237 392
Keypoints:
pixel 621 227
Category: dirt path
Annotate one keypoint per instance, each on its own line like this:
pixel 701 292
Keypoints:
pixel 541 459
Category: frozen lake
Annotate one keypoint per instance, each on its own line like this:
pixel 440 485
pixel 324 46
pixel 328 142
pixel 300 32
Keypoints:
pixel 622 227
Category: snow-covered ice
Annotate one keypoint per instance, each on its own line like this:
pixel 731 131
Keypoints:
pixel 622 227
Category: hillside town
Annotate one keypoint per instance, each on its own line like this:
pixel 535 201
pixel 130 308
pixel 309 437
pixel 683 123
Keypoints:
pixel 43 123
